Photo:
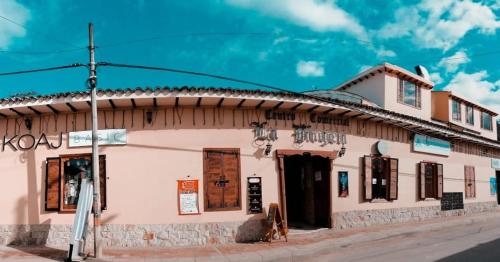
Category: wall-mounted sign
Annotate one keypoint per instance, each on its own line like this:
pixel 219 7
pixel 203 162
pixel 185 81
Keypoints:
pixel 29 141
pixel 313 117
pixel 493 186
pixel 305 134
pixel 382 147
pixel 263 133
pixel 343 184
pixel 254 195
pixel 187 191
pixel 427 144
pixel 495 163
pixel 106 137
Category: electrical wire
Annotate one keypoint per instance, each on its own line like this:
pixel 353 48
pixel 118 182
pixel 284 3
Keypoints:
pixel 43 69
pixel 20 52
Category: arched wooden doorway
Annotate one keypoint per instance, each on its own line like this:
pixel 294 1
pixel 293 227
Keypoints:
pixel 308 175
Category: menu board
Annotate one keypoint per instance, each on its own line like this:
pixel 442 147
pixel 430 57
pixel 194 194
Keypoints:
pixel 452 200
pixel 187 191
pixel 254 195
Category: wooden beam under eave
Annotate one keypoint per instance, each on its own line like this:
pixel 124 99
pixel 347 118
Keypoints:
pixel 260 104
pixel 71 107
pixel 312 108
pixel 295 106
pixel 3 115
pixel 329 110
pixel 176 102
pixel 155 102
pixel 34 110
pixel 89 103
pixel 240 104
pixel 198 102
pixel 112 103
pixel 134 105
pixel 343 113
pixel 219 104
pixel 17 112
pixel 278 105
pixel 356 116
pixel 55 111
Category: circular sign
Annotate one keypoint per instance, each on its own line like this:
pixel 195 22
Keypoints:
pixel 382 147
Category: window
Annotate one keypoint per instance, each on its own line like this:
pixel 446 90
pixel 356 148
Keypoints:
pixel 409 93
pixel 431 180
pixel 486 121
pixel 470 182
pixel 221 178
pixel 456 110
pixel 63 180
pixel 381 178
pixel 469 111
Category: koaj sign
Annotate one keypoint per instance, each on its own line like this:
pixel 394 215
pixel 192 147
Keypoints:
pixel 105 137
pixel 29 141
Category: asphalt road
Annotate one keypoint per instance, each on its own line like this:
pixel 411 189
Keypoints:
pixel 471 243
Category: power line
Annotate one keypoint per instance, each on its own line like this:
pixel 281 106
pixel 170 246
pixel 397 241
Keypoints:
pixel 42 69
pixel 25 28
pixel 21 52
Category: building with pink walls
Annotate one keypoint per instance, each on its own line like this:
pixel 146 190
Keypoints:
pixel 198 166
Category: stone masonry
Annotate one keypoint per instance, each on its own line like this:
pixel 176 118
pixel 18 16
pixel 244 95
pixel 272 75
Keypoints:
pixel 366 218
pixel 170 235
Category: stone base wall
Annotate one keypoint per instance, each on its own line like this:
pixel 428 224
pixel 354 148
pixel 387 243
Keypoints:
pixel 137 235
pixel 366 218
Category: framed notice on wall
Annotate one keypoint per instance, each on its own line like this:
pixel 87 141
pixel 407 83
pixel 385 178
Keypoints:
pixel 187 197
pixel 493 186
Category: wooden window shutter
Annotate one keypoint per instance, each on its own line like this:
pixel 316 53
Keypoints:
pixel 222 179
pixel 367 160
pixel 102 181
pixel 439 191
pixel 472 179
pixel 422 180
pixel 400 90
pixel 393 179
pixel 469 182
pixel 52 182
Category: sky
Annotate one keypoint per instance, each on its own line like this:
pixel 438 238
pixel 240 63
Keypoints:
pixel 296 45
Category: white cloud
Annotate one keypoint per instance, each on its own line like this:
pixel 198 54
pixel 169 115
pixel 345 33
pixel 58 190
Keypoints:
pixel 318 15
pixel 436 78
pixel 441 24
pixel 310 68
pixel 452 63
pixel 476 87
pixel 18 14
pixel 364 68
pixel 383 53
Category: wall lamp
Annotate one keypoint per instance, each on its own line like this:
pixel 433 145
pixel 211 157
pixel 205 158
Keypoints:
pixel 149 116
pixel 28 122
pixel 342 151
pixel 267 151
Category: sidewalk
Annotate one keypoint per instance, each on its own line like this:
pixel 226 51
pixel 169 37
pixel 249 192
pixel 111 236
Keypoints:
pixel 299 246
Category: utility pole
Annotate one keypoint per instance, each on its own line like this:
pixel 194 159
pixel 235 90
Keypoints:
pixel 92 81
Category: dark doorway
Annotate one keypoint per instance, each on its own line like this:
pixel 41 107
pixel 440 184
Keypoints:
pixel 498 187
pixel 307 187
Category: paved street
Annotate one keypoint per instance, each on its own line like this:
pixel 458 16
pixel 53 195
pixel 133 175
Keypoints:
pixel 466 238
pixel 473 242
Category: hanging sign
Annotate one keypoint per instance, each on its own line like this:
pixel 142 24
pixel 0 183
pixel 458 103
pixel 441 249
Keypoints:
pixel 495 163
pixel 187 191
pixel 254 195
pixel 105 136
pixel 427 144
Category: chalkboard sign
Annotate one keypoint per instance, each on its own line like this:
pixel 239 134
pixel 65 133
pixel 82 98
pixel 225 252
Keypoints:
pixel 254 195
pixel 452 200
pixel 274 218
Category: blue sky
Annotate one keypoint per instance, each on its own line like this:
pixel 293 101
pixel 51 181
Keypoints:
pixel 294 44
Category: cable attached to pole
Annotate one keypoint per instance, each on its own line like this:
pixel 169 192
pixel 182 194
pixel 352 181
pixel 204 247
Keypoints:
pixel 43 69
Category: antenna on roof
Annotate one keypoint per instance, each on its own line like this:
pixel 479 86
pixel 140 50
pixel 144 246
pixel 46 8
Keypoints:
pixel 422 71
